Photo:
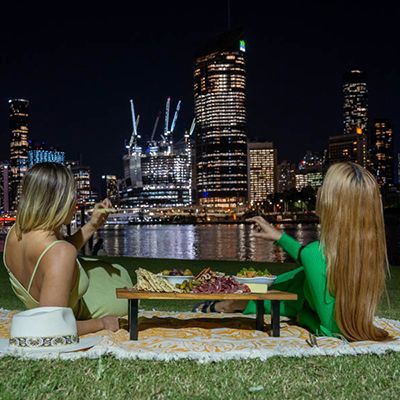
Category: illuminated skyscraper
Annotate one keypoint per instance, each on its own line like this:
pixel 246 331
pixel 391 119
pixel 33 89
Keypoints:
pixel 18 147
pixel 160 174
pixel 355 106
pixel 262 160
pixel 382 142
pixel 355 112
pixel 4 187
pixel 348 148
pixel 286 176
pixel 109 188
pixel 220 113
pixel 85 195
pixel 310 171
pixel 39 154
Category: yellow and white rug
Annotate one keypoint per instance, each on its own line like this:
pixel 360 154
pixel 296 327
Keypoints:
pixel 167 336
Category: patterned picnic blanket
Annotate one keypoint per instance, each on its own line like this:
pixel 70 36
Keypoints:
pixel 167 336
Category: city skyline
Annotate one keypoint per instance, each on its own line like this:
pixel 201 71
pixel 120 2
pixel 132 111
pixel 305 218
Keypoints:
pixel 78 103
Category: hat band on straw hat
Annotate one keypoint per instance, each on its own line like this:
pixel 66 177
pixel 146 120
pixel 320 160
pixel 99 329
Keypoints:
pixel 36 342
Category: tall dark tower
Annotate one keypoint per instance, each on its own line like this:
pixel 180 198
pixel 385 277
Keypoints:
pixel 220 112
pixel 355 112
pixel 18 147
pixel 355 106
pixel 382 144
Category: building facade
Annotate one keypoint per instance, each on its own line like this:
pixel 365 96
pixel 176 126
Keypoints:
pixel 312 179
pixel 262 170
pixel 19 130
pixel 4 187
pixel 220 113
pixel 40 154
pixel 109 188
pixel 165 182
pixel 286 176
pixel 84 193
pixel 355 102
pixel 383 152
pixel 348 148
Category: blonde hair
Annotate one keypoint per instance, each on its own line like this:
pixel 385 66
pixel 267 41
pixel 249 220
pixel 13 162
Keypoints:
pixel 48 195
pixel 353 240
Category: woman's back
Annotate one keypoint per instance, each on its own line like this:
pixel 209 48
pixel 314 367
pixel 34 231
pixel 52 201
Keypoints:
pixel 26 259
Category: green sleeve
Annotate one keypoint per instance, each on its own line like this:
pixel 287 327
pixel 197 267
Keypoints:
pixel 290 245
pixel 316 291
pixel 316 288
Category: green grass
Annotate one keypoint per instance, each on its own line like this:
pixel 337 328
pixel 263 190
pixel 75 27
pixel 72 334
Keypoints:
pixel 347 377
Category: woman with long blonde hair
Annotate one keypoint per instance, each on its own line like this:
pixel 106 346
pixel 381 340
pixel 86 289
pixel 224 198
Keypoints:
pixel 342 276
pixel 42 264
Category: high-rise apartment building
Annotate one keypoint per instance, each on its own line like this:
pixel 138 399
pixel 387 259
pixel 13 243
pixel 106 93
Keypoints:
pixel 355 105
pixel 382 146
pixel 348 148
pixel 355 112
pixel 109 188
pixel 286 176
pixel 220 113
pixel 40 154
pixel 81 173
pixel 310 171
pixel 262 165
pixel 19 130
pixel 4 187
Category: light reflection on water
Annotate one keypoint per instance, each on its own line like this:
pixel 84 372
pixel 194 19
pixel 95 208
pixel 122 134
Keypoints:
pixel 220 241
pixel 213 242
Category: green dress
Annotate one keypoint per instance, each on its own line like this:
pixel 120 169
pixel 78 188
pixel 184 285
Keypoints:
pixel 315 307
pixel 93 295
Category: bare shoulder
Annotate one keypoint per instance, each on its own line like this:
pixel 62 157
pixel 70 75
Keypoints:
pixel 60 257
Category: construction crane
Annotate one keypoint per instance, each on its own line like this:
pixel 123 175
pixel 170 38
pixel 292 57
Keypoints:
pixel 178 107
pixel 189 133
pixel 192 127
pixel 155 126
pixel 167 105
pixel 133 143
pixel 152 144
pixel 167 136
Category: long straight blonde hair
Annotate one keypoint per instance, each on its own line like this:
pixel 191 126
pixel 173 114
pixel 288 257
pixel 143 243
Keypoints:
pixel 353 240
pixel 48 195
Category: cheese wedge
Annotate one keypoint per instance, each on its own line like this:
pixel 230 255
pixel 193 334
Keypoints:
pixel 257 287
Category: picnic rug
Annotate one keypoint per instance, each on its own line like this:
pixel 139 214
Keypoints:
pixel 168 336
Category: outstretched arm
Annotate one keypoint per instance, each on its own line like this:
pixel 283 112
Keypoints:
pixel 99 217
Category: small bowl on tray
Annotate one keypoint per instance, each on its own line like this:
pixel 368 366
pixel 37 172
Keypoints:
pixel 176 279
pixel 266 280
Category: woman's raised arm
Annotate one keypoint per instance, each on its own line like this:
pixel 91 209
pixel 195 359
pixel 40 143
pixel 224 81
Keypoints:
pixel 99 217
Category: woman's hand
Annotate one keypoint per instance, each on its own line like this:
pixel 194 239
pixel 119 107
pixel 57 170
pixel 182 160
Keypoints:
pixel 110 323
pixel 264 230
pixel 100 213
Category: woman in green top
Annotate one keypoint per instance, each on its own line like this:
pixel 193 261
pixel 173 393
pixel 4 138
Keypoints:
pixel 342 276
pixel 43 266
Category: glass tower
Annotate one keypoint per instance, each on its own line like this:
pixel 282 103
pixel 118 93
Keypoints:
pixel 18 147
pixel 220 113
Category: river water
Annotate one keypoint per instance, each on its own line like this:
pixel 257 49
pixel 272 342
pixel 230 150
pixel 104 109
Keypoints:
pixel 213 242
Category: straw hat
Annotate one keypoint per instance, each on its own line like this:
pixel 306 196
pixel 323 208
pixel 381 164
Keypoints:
pixel 45 329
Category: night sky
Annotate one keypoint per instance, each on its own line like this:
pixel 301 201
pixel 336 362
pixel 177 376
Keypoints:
pixel 79 66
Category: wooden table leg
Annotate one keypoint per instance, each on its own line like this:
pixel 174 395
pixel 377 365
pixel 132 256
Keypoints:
pixel 133 305
pixel 275 318
pixel 260 315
